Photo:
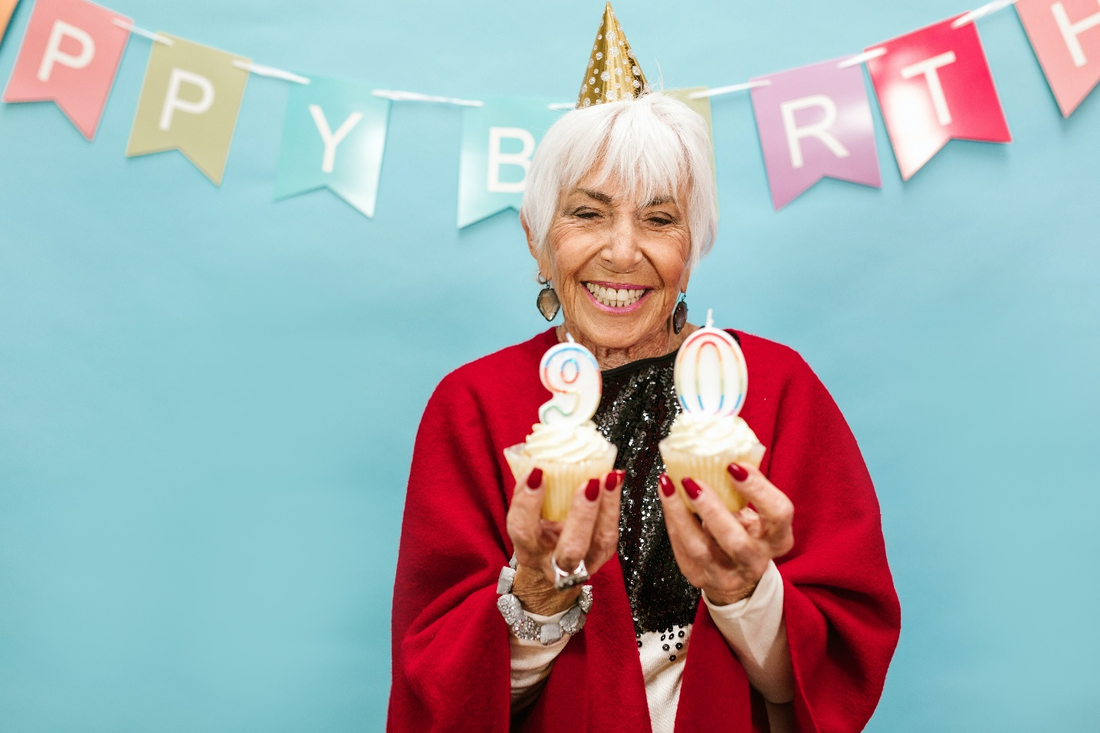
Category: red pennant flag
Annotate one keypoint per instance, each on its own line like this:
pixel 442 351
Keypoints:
pixel 933 86
pixel 1066 39
pixel 70 55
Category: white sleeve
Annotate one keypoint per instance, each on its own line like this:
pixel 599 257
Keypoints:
pixel 754 629
pixel 532 661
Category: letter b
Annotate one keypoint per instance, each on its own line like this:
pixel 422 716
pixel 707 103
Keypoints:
pixel 497 158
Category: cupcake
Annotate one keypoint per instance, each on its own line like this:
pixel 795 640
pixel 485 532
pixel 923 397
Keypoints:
pixel 565 443
pixel 711 381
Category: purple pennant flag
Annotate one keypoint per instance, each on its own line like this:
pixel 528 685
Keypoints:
pixel 815 121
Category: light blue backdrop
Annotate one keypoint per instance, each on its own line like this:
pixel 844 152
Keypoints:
pixel 208 400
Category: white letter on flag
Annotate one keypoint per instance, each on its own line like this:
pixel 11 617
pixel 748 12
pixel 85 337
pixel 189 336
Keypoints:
pixel 497 158
pixel 1070 31
pixel 928 68
pixel 172 101
pixel 330 138
pixel 54 54
pixel 820 130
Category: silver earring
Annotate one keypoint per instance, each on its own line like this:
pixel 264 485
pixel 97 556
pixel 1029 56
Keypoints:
pixel 548 302
pixel 680 315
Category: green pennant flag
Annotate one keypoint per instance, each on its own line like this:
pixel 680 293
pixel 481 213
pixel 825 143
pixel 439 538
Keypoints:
pixel 189 102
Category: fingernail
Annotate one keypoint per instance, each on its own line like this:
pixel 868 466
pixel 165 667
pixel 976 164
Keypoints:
pixel 666 485
pixel 592 491
pixel 693 490
pixel 738 473
pixel 534 480
pixel 614 479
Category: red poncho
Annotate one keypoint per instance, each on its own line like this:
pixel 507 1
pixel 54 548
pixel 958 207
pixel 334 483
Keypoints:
pixel 450 644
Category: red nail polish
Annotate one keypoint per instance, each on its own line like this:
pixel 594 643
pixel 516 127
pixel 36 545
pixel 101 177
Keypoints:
pixel 534 480
pixel 738 473
pixel 666 485
pixel 592 491
pixel 693 489
pixel 614 479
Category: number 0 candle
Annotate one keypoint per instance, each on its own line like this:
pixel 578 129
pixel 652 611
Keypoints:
pixel 710 373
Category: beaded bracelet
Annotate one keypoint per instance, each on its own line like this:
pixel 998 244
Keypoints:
pixel 525 627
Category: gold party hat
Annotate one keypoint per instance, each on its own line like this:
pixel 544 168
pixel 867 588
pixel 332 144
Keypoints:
pixel 613 72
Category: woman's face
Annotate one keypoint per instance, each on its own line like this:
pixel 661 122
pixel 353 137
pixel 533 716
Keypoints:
pixel 618 268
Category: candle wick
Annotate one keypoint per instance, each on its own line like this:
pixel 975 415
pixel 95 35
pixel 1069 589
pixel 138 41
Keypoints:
pixel 710 318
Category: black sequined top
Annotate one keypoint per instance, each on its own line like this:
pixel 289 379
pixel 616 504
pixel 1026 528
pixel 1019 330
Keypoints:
pixel 638 406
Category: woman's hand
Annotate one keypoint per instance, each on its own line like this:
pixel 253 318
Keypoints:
pixel 589 533
pixel 725 553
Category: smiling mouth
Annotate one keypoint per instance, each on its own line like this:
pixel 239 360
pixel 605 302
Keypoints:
pixel 611 297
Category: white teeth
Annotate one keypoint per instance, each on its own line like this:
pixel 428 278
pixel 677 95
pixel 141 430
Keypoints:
pixel 615 298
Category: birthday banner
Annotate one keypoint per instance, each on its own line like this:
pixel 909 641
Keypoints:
pixel 933 85
pixel 333 137
pixel 1066 39
pixel 815 122
pixel 70 54
pixel 498 140
pixel 189 102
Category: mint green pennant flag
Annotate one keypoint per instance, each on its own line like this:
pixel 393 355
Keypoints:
pixel 334 137
pixel 498 141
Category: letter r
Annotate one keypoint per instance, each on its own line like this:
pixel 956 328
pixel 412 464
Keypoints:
pixel 820 130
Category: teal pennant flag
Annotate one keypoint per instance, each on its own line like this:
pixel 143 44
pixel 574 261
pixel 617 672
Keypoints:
pixel 334 137
pixel 498 141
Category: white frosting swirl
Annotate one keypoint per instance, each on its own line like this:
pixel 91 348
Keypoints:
pixel 566 442
pixel 711 435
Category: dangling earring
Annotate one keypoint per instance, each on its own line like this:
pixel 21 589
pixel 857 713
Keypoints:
pixel 548 302
pixel 680 315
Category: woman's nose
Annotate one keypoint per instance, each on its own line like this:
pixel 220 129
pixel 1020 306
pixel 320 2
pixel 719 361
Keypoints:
pixel 621 252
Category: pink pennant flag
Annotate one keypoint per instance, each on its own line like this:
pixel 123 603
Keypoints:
pixel 933 86
pixel 70 54
pixel 815 121
pixel 1066 39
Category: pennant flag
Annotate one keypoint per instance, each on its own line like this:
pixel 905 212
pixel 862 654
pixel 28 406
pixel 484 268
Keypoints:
pixel 334 137
pixel 815 121
pixel 1066 39
pixel 7 7
pixel 189 102
pixel 498 141
pixel 70 55
pixel 702 107
pixel 933 86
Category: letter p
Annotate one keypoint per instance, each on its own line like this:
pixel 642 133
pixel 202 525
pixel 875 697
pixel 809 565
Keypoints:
pixel 53 53
pixel 172 101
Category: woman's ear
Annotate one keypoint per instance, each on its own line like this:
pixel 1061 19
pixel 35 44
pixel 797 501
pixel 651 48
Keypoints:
pixel 544 265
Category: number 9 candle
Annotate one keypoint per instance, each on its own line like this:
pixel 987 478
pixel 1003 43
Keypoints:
pixel 565 443
pixel 711 379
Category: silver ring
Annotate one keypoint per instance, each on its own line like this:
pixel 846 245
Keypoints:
pixel 564 580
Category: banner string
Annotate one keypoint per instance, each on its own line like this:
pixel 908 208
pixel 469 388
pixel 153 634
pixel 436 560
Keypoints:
pixel 270 71
pixel 401 96
pixel 983 11
pixel 155 37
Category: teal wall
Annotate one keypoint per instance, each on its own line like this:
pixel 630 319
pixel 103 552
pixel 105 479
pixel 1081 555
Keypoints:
pixel 208 400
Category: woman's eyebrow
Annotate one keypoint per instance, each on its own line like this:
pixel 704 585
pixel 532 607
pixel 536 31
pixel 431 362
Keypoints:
pixel 598 195
pixel 660 200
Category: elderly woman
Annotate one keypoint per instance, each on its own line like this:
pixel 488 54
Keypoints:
pixel 781 616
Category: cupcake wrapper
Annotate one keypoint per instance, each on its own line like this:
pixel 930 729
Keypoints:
pixel 561 479
pixel 711 470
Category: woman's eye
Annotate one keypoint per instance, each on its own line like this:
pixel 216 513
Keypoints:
pixel 586 214
pixel 660 220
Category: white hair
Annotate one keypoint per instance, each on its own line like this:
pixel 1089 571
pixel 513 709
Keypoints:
pixel 654 145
